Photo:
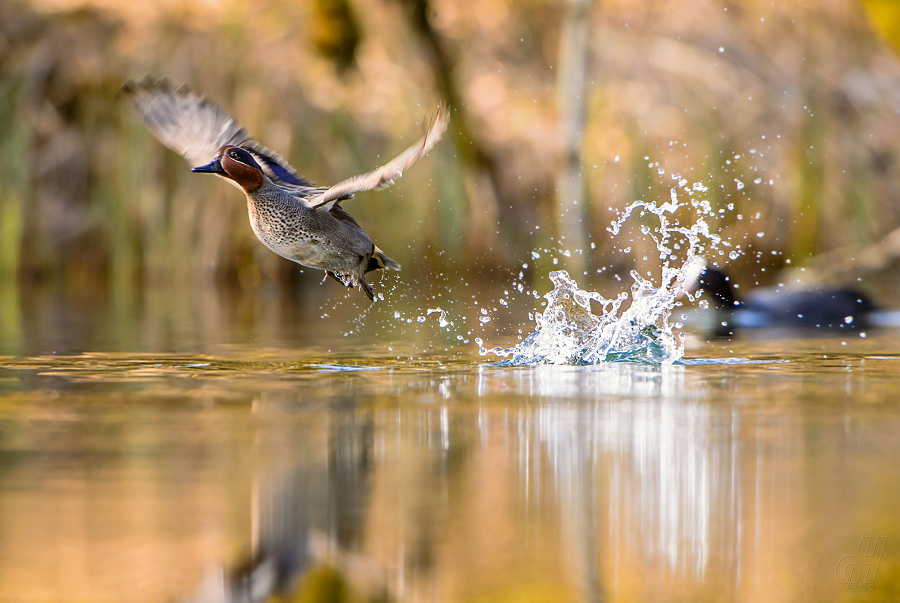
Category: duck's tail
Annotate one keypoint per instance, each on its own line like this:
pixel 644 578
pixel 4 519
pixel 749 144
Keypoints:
pixel 379 261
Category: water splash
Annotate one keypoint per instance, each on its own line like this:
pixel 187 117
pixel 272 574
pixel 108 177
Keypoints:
pixel 569 332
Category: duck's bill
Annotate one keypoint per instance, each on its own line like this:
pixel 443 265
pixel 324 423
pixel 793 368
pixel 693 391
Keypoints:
pixel 214 167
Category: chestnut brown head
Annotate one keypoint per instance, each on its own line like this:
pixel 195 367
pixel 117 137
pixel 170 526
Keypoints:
pixel 236 164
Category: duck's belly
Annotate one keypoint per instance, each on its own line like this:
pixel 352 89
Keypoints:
pixel 317 254
pixel 321 253
pixel 315 241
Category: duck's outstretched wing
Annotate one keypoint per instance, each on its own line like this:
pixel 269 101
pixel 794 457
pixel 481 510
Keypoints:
pixel 384 176
pixel 196 128
pixel 191 125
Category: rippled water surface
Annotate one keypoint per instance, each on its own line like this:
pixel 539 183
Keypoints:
pixel 403 466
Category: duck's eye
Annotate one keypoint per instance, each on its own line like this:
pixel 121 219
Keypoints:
pixel 234 154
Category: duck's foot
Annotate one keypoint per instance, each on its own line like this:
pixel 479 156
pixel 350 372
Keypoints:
pixel 343 279
pixel 351 280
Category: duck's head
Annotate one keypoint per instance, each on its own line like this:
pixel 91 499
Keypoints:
pixel 718 286
pixel 715 282
pixel 235 164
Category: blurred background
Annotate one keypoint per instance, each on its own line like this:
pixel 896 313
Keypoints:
pixel 123 471
pixel 784 116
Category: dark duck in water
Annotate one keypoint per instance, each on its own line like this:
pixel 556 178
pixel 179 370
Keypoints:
pixel 776 307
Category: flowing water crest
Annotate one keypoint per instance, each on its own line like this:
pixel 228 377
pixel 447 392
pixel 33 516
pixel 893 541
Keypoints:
pixel 569 332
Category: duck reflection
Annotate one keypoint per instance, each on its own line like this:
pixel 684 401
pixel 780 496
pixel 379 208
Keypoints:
pixel 307 525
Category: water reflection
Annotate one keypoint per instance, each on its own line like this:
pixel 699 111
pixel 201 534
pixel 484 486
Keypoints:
pixel 570 382
pixel 136 478
pixel 307 513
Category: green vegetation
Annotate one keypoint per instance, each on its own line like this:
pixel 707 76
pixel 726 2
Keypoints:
pixel 731 95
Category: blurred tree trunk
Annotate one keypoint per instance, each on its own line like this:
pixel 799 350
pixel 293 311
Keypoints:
pixel 571 205
pixel 479 165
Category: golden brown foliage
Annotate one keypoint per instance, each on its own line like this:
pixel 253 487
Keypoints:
pixel 800 94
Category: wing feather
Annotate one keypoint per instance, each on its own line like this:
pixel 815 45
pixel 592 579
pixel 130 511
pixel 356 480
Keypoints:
pixel 384 176
pixel 192 126
pixel 196 128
